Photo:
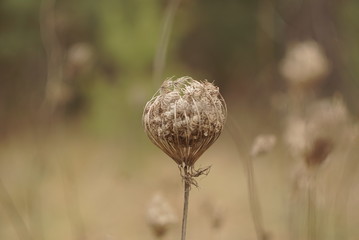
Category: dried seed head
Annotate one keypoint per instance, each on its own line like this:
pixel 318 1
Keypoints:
pixel 304 64
pixel 325 125
pixel 160 215
pixel 215 212
pixel 263 144
pixel 80 57
pixel 185 118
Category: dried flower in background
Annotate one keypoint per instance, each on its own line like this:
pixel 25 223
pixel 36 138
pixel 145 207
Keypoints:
pixel 160 215
pixel 217 219
pixel 215 212
pixel 263 144
pixel 304 64
pixel 314 136
pixel 80 59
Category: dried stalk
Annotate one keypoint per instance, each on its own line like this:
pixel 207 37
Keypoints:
pixel 13 214
pixel 72 203
pixel 160 58
pixel 312 209
pixel 256 210
pixel 53 51
pixel 254 202
pixel 344 190
pixel 187 188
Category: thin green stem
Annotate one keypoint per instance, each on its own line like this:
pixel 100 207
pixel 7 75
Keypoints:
pixel 187 188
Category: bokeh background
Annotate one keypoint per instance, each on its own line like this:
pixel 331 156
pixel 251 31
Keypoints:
pixel 75 162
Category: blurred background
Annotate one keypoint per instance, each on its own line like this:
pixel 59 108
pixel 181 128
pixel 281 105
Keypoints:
pixel 75 162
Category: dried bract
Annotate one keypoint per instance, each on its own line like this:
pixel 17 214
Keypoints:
pixel 184 118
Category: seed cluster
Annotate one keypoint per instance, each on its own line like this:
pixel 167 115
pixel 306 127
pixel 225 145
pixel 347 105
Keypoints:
pixel 184 118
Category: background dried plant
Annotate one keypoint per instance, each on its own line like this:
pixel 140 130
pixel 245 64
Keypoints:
pixel 160 216
pixel 304 65
pixel 315 129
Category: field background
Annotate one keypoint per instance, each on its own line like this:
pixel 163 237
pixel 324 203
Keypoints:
pixel 75 162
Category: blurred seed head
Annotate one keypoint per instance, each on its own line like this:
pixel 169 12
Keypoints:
pixel 184 118
pixel 215 212
pixel 304 64
pixel 217 219
pixel 325 125
pixel 80 59
pixel 160 216
pixel 263 144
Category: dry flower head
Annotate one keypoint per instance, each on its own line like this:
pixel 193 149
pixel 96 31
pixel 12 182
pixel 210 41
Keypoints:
pixel 160 215
pixel 215 212
pixel 184 118
pixel 325 125
pixel 304 64
pixel 80 55
pixel 263 144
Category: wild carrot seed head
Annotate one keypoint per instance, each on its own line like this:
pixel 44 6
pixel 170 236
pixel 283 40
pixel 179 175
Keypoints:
pixel 263 144
pixel 325 125
pixel 184 118
pixel 304 64
pixel 160 215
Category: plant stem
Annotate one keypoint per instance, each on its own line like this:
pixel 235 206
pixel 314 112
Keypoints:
pixel 53 51
pixel 254 202
pixel 13 214
pixel 185 209
pixel 343 192
pixel 161 52
pixel 72 204
pixel 312 209
pixel 256 210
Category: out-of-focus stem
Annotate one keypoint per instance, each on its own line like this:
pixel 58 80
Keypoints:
pixel 312 209
pixel 53 51
pixel 72 204
pixel 160 58
pixel 252 189
pixel 13 214
pixel 343 191
pixel 254 202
